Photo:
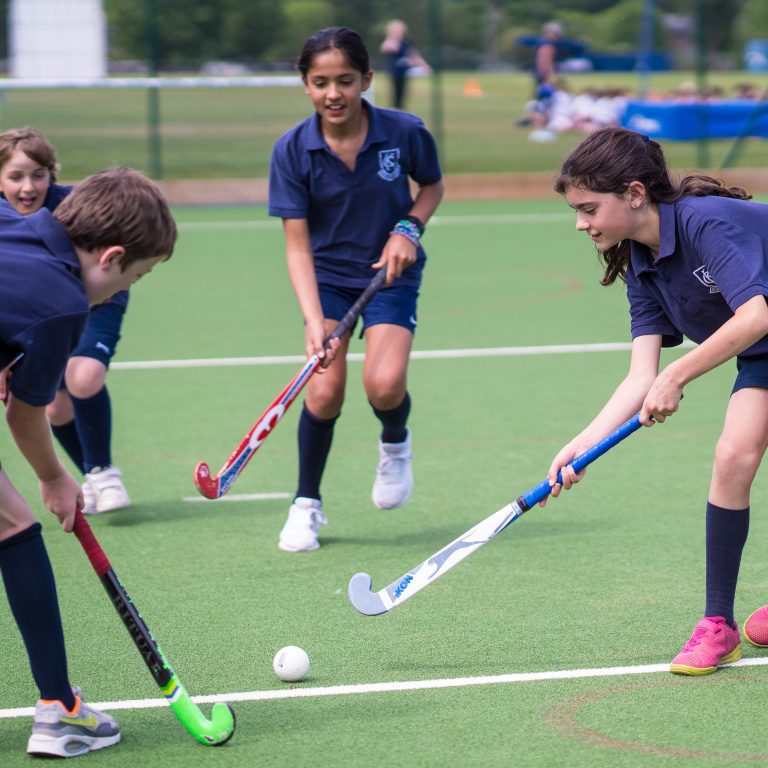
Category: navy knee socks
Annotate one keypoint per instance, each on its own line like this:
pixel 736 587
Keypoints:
pixel 93 416
pixel 393 422
pixel 31 591
pixel 69 440
pixel 315 438
pixel 727 531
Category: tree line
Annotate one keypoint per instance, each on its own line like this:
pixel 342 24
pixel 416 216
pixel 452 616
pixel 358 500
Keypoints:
pixel 173 35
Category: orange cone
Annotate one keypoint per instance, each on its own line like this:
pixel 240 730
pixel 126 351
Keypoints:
pixel 473 89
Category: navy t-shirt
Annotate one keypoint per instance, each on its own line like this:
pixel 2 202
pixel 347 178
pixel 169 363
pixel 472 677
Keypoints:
pixel 43 303
pixel 351 213
pixel 713 257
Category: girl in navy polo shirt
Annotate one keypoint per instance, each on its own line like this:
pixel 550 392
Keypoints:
pixel 693 257
pixel 340 182
pixel 81 414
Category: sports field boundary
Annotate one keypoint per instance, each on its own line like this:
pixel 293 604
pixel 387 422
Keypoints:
pixel 425 354
pixel 295 692
pixel 458 186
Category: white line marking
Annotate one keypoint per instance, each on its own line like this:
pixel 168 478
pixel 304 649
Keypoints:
pixel 240 497
pixel 434 354
pixel 392 687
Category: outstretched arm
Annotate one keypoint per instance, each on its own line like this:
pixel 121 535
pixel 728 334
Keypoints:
pixel 623 403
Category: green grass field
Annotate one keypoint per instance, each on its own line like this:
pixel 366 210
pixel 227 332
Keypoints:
pixel 545 648
pixel 217 133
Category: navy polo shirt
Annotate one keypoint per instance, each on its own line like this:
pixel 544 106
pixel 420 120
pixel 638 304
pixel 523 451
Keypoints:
pixel 43 303
pixel 351 213
pixel 713 257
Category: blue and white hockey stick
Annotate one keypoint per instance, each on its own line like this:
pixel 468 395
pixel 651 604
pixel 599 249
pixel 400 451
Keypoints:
pixel 373 603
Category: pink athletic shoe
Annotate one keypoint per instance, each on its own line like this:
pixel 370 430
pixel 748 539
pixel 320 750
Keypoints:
pixel 756 627
pixel 712 643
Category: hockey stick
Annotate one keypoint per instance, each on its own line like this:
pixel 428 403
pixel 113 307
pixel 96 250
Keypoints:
pixel 214 487
pixel 213 732
pixel 373 603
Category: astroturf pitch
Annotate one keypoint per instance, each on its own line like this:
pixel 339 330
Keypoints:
pixel 547 647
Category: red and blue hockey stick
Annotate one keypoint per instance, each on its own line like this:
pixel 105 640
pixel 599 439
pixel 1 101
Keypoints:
pixel 215 486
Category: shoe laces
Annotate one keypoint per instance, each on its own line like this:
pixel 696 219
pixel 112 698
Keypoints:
pixel 698 635
pixel 314 516
pixel 318 518
pixel 391 463
pixel 394 460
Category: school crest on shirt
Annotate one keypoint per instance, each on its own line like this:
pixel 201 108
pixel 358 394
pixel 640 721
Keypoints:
pixel 702 275
pixel 389 164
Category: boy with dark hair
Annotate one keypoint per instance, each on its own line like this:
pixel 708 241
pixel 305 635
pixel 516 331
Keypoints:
pixel 109 232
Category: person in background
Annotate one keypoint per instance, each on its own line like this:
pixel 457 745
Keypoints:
pixel 545 61
pixel 403 56
pixel 81 413
pixel 544 74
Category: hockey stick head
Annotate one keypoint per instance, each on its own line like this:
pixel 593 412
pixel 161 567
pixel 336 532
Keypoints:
pixel 361 596
pixel 214 732
pixel 206 483
pixel 223 723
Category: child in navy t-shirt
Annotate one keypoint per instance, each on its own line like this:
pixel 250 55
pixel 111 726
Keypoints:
pixel 55 266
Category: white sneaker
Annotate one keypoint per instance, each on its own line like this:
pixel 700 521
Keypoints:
pixel 394 477
pixel 107 491
pixel 59 733
pixel 299 533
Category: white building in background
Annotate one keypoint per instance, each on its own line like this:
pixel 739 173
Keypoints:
pixel 57 39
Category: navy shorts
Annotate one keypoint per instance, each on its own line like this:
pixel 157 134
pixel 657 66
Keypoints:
pixel 752 372
pixel 101 334
pixel 395 305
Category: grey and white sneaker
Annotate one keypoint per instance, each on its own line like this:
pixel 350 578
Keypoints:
pixel 394 476
pixel 106 491
pixel 299 534
pixel 59 733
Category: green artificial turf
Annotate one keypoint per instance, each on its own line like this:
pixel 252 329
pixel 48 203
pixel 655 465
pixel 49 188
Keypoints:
pixel 610 575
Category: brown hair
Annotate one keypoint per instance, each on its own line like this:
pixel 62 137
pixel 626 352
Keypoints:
pixel 609 160
pixel 33 144
pixel 119 206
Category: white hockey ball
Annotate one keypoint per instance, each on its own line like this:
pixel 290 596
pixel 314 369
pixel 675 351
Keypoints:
pixel 291 664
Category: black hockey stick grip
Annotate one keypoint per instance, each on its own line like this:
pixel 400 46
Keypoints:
pixel 348 321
